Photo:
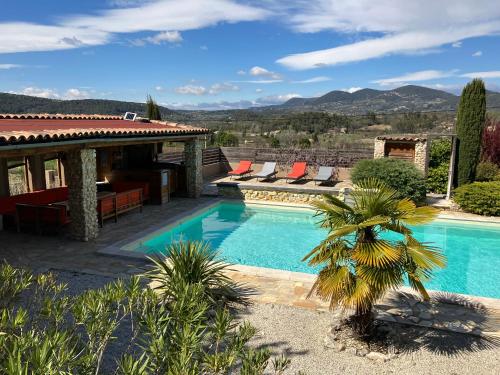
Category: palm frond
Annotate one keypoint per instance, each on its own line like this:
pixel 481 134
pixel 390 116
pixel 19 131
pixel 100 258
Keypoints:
pixel 377 253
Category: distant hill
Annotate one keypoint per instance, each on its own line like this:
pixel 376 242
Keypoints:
pixel 402 99
pixel 12 103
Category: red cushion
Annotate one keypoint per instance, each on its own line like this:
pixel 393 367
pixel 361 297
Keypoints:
pixel 41 197
pixel 244 167
pixel 298 170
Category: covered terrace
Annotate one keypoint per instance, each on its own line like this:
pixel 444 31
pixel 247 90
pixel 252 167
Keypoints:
pixel 69 163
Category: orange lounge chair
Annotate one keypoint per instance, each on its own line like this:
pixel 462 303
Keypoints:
pixel 244 168
pixel 299 171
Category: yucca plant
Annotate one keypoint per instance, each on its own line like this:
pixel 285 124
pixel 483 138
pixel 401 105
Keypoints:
pixel 195 263
pixel 359 265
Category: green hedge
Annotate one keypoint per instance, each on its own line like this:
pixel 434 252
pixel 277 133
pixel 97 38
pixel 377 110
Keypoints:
pixel 487 171
pixel 401 175
pixel 437 179
pixel 481 198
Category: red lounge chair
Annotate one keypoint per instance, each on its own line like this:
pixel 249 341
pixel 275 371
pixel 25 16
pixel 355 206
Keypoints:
pixel 243 169
pixel 299 171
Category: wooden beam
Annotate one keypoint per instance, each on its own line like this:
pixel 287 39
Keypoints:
pixel 36 168
pixel 4 178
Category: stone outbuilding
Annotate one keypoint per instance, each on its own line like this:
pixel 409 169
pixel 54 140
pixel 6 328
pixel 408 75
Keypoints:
pixel 413 148
pixel 80 152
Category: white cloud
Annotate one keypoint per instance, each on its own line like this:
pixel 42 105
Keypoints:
pixel 76 94
pixel 456 44
pixel 101 27
pixel 159 88
pixel 29 37
pixel 9 66
pixel 214 89
pixel 423 75
pixel 221 87
pixel 352 89
pixel 477 53
pixel 259 90
pixel 405 27
pixel 489 74
pixel 261 81
pixel 258 71
pixel 191 90
pixel 241 72
pixel 165 37
pixel 72 93
pixel 276 99
pixel 314 80
pixel 169 15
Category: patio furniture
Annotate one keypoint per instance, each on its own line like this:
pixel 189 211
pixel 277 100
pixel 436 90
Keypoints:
pixel 41 217
pixel 121 186
pixel 299 171
pixel 267 171
pixel 324 174
pixel 110 204
pixel 243 168
pixel 37 198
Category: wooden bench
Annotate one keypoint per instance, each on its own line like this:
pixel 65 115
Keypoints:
pixel 113 205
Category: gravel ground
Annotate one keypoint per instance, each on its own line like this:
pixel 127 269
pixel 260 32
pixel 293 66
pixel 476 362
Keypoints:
pixel 299 334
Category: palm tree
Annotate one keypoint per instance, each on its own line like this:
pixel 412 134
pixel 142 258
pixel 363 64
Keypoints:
pixel 359 264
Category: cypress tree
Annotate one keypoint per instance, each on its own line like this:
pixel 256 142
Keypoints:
pixel 152 109
pixel 470 123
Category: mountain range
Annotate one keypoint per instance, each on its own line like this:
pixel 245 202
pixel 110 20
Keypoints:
pixel 403 99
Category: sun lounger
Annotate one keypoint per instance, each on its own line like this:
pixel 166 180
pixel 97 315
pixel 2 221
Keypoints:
pixel 299 171
pixel 267 171
pixel 324 174
pixel 243 169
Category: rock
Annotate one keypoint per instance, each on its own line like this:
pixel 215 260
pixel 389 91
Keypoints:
pixel 328 342
pixel 383 315
pixel 425 323
pixel 376 356
pixel 352 351
pixel 413 319
pixel 335 327
pixel 400 311
pixel 339 347
pixel 425 315
pixel 362 352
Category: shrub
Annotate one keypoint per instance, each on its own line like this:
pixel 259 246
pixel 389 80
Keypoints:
pixel 440 152
pixel 487 171
pixel 481 198
pixel 400 175
pixel 44 329
pixel 437 179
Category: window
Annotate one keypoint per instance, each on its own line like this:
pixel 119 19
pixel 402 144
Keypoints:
pixel 18 181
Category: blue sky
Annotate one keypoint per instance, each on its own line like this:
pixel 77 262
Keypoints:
pixel 211 54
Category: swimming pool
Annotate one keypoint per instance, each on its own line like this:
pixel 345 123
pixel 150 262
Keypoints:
pixel 276 237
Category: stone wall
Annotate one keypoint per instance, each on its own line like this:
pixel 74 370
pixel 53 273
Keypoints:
pixel 422 156
pixel 81 177
pixel 298 197
pixel 194 167
pixel 379 149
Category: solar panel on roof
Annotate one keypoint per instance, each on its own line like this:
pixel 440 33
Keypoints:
pixel 130 116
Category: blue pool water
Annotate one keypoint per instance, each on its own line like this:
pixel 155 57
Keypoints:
pixel 279 238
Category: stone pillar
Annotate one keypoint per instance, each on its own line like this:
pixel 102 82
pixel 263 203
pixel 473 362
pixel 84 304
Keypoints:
pixel 422 156
pixel 379 149
pixel 36 169
pixel 81 178
pixel 194 167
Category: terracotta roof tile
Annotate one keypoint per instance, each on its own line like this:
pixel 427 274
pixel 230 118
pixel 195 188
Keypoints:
pixel 35 128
